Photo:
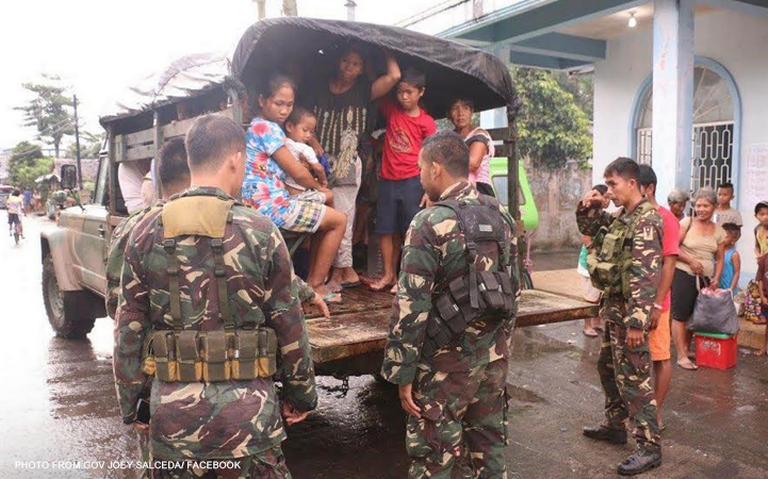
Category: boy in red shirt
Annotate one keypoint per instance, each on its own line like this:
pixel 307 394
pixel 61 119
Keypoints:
pixel 400 192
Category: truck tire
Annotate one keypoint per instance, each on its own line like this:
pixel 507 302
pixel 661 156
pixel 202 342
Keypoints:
pixel 72 314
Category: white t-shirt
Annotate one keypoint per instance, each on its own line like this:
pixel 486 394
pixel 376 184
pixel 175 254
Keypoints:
pixel 299 150
pixel 130 178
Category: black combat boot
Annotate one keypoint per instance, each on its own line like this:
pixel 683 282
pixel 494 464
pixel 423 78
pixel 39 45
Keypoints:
pixel 643 459
pixel 607 434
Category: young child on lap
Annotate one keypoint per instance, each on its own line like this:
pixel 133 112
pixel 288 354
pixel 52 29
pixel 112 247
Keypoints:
pixel 300 127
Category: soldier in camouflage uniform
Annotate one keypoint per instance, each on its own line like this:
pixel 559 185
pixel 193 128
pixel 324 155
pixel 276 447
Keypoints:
pixel 236 420
pixel 173 175
pixel 459 391
pixel 624 362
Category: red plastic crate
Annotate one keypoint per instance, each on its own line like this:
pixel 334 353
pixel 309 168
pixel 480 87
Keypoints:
pixel 718 351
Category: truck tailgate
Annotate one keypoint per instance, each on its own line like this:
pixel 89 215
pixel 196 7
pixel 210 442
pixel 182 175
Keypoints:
pixel 360 325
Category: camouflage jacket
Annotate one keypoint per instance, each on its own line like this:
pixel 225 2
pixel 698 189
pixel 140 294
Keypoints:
pixel 645 272
pixel 221 419
pixel 116 256
pixel 434 251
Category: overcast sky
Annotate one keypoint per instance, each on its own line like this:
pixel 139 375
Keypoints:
pixel 101 46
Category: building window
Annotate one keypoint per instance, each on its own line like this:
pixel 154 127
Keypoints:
pixel 712 138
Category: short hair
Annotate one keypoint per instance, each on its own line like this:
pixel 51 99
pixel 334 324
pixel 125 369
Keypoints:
pixel 448 149
pixel 677 196
pixel 761 205
pixel 727 185
pixel 647 176
pixel 172 166
pixel 16 192
pixel 731 227
pixel 414 77
pixel 464 101
pixel 298 114
pixel 211 138
pixel 705 193
pixel 601 188
pixel 627 168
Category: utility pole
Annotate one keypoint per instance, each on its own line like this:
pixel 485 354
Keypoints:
pixel 77 148
pixel 350 10
pixel 261 4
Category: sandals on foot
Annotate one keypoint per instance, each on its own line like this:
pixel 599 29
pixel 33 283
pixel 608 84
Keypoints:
pixel 687 365
pixel 589 332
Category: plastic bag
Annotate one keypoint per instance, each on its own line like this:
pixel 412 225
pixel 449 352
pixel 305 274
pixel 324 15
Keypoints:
pixel 714 312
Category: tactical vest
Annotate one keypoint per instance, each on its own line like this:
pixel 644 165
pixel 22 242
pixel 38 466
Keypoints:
pixel 610 257
pixel 472 294
pixel 183 354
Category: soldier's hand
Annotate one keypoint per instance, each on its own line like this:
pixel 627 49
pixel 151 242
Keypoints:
pixel 405 392
pixel 592 199
pixel 293 415
pixel 141 427
pixel 425 202
pixel 635 337
pixel 655 317
pixel 317 300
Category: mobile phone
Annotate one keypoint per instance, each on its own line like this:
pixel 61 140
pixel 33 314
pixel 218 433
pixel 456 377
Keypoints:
pixel 142 411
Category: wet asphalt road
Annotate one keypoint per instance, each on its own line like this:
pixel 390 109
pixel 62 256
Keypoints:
pixel 58 404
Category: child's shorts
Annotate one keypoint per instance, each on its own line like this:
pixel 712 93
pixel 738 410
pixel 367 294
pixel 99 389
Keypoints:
pixel 305 216
pixel 659 339
pixel 311 195
pixel 591 294
pixel 397 203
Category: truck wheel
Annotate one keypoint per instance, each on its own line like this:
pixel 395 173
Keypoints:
pixel 71 313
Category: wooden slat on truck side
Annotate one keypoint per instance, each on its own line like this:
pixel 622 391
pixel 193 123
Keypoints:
pixel 353 333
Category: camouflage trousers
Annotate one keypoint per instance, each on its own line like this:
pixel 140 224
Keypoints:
pixel 625 374
pixel 469 405
pixel 269 464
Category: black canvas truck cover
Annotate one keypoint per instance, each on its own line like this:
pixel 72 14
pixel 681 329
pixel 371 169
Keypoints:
pixel 452 69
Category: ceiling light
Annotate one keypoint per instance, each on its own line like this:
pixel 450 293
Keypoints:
pixel 632 21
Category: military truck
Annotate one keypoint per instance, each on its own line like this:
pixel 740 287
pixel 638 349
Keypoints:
pixel 352 340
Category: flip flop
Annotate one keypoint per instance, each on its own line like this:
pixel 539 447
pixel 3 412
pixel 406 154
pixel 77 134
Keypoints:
pixel 353 284
pixel 591 333
pixel 332 298
pixel 689 366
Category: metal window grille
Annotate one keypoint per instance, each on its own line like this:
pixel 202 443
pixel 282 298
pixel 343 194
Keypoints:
pixel 644 145
pixel 712 152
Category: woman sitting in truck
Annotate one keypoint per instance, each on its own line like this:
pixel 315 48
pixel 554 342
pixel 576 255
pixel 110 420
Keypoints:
pixel 478 140
pixel 268 160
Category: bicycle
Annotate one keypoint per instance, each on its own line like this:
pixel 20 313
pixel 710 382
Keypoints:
pixel 15 231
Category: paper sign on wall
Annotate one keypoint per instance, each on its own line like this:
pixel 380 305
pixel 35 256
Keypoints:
pixel 756 174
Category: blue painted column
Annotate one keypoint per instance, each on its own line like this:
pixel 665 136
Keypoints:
pixel 496 118
pixel 673 61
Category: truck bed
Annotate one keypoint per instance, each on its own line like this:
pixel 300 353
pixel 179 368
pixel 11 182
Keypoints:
pixel 359 325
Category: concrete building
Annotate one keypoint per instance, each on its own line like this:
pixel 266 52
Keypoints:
pixel 679 84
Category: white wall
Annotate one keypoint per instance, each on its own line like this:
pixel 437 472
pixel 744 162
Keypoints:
pixel 737 42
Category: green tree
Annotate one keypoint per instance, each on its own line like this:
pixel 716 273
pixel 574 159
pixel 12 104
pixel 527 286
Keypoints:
pixel 553 126
pixel 25 153
pixel 49 111
pixel 24 175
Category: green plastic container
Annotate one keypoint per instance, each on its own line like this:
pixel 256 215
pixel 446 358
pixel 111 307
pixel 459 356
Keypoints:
pixel 528 212
pixel 714 335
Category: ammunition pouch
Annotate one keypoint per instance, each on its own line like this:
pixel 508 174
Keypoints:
pixel 210 356
pixel 610 257
pixel 453 312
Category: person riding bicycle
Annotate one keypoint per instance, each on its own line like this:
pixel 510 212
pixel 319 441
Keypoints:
pixel 15 209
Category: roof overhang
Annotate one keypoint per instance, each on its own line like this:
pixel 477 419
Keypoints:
pixel 568 34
